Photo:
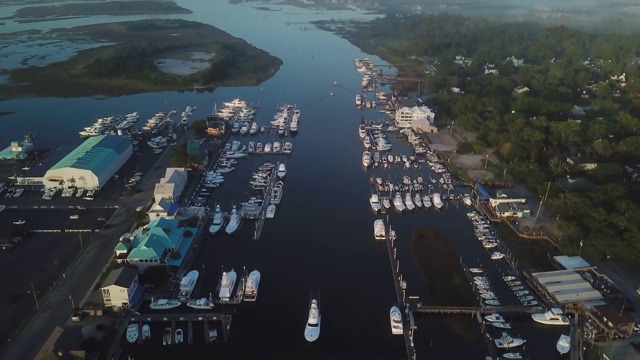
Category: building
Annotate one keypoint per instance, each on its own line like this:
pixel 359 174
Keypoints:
pixel 18 150
pixel 509 206
pixel 193 148
pixel 462 61
pixel 121 288
pixel 578 163
pixel 571 262
pixel 155 243
pixel 608 323
pixel 215 125
pixel 566 287
pixel 419 118
pixel 515 61
pixel 520 89
pixel 167 192
pixel 91 165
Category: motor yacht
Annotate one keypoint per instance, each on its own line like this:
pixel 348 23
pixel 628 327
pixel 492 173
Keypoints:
pixel 276 192
pixel 362 131
pixel 188 283
pixel 312 329
pixel 426 201
pixel 218 221
pixel 395 318
pixel 437 201
pixel 277 147
pixel 200 304
pixel 227 282
pixel 234 221
pixel 494 318
pixel 287 148
pixel 564 344
pixel 525 298
pixel 164 304
pixel 132 333
pixel 408 202
pixel 417 199
pixel 379 231
pixel 366 158
pixel 554 316
pixel 476 270
pixel 179 336
pixel 398 203
pixel 271 211
pixel 467 200
pixel 251 289
pixel 497 255
pixel 506 341
pixel 521 293
pixel 146 332
pixel 509 278
pixel 254 128
pixel 282 170
pixel 374 201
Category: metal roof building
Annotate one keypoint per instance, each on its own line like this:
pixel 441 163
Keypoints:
pixel 566 286
pixel 90 165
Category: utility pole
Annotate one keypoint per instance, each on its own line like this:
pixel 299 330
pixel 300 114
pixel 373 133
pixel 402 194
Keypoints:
pixel 35 297
pixel 486 162
pixel 73 305
pixel 81 246
pixel 451 128
pixel 544 198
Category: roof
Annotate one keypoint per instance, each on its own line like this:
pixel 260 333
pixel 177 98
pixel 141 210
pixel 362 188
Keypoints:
pixel 122 277
pixel 160 234
pixel 611 315
pixel 574 183
pixel 571 262
pixel 567 286
pixel 122 246
pixel 484 195
pixel 95 154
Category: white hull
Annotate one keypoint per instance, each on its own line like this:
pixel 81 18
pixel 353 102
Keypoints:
pixel 395 318
pixel 188 283
pixel 132 333
pixel 146 332
pixel 226 286
pixel 200 304
pixel 564 344
pixel 164 304
pixel 234 222
pixel 218 221
pixel 271 211
pixel 379 230
pixel 552 317
pixel 312 329
pixel 253 282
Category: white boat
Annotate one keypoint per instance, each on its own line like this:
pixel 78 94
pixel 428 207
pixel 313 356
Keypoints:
pixel 386 203
pixel 417 200
pixel 312 329
pixel 476 270
pixel 467 200
pixel 277 147
pixel 554 316
pixel 512 355
pixel 426 201
pixel 526 298
pixel 254 128
pixel 489 296
pixel 188 283
pixel 200 304
pixel 282 170
pixel 234 221
pixel 494 318
pixel 251 289
pixel 287 148
pixel 395 317
pixel 271 211
pixel 379 231
pixel 146 332
pixel 218 221
pixel 267 147
pixel 374 201
pixel 398 203
pixel 132 333
pixel 362 131
pixel 437 201
pixel 167 336
pixel 501 325
pixel 521 293
pixel 179 336
pixel 509 278
pixel 164 304
pixel 564 344
pixel 497 255
pixel 213 335
pixel 408 202
pixel 276 192
pixel 226 285
pixel 366 158
pixel 506 341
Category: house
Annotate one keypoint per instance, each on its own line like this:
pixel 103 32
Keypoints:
pixel 520 89
pixel 490 69
pixel 167 192
pixel 121 288
pixel 515 61
pixel 578 163
pixel 420 118
pixel 457 90
pixel 462 61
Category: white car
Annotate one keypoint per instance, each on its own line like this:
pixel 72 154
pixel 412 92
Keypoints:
pixel 19 222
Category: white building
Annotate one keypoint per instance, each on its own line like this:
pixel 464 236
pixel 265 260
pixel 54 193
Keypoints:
pixel 119 288
pixel 167 191
pixel 417 117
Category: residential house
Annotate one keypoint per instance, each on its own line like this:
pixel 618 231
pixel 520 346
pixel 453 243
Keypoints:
pixel 515 61
pixel 490 69
pixel 578 163
pixel 520 89
pixel 462 61
pixel 120 288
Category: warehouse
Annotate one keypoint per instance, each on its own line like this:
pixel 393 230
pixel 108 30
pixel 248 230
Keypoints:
pixel 90 165
pixel 566 287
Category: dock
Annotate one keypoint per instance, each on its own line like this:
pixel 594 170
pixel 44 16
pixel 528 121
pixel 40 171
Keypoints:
pixel 515 310
pixel 190 318
pixel 265 203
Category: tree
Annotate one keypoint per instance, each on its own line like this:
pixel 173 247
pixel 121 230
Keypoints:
pixel 199 127
pixel 607 172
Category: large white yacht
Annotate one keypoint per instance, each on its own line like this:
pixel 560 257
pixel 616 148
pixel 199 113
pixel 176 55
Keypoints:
pixel 234 221
pixel 395 317
pixel 132 333
pixel 200 304
pixel 282 170
pixel 251 290
pixel 437 201
pixel 374 201
pixel 564 344
pixel 218 221
pixel 188 283
pixel 408 202
pixel 366 158
pixel 379 231
pixel 226 285
pixel 164 304
pixel 552 317
pixel 312 329
pixel 397 202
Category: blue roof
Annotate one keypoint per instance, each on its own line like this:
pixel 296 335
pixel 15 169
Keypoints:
pixel 96 154
pixel 484 195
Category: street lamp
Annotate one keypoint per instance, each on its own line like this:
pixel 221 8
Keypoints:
pixel 73 305
pixel 35 297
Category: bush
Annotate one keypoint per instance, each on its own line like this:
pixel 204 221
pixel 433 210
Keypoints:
pixel 464 147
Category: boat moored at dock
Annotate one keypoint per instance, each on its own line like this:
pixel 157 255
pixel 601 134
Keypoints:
pixel 251 290
pixel 132 333
pixel 554 316
pixel 227 283
pixel 200 304
pixel 164 304
pixel 188 283
pixel 395 318
pixel 379 231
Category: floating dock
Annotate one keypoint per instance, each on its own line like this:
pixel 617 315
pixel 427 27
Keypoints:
pixel 190 318
pixel 265 203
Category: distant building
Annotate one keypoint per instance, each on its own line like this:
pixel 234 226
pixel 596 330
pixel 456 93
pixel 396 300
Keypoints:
pixel 462 61
pixel 515 61
pixel 578 163
pixel 18 150
pixel 121 288
pixel 216 125
pixel 609 323
pixel 490 69
pixel 420 118
pixel 520 89
pixel 167 192
pixel 567 288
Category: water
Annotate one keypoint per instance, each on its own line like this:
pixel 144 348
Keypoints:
pixel 321 241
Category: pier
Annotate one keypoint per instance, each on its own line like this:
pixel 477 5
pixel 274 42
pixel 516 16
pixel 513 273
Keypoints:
pixel 515 310
pixel 265 203
pixel 225 319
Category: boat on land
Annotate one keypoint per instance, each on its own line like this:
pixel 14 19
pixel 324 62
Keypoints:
pixel 379 230
pixel 312 329
pixel 506 341
pixel 227 283
pixel 132 333
pixel 251 289
pixel 200 304
pixel 164 304
pixel 188 283
pixel 395 317
pixel 564 344
pixel 554 316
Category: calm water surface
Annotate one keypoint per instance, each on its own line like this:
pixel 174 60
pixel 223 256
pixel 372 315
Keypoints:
pixel 321 240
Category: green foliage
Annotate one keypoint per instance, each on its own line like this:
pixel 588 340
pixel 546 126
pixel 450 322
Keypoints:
pixel 180 158
pixel 464 147
pixel 199 127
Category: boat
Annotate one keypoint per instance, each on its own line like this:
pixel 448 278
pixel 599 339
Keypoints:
pixel 374 201
pixel 517 288
pixel 489 296
pixel 366 158
pixel 497 255
pixel 398 203
pixel 179 336
pixel 564 344
pixel 512 355
pixel 282 170
pixel 494 318
pixel 467 200
pixel 312 329
pixel 437 201
pixel 526 298
pixel 506 341
pixel 509 278
pixel 234 221
pixel 213 335
pixel 218 221
pixel 554 316
pixel 251 288
pixel 521 293
pixel 476 270
pixel 188 283
pixel 267 147
pixel 146 332
pixel 501 325
pixel 276 192
pixel 167 336
pixel 379 231
pixel 164 304
pixel 514 283
pixel 426 201
pixel 254 128
pixel 386 203
pixel 271 211
pixel 200 304
pixel 226 284
pixel 287 148
pixel 530 303
pixel 408 202
pixel 132 333
pixel 362 131
pixel 395 317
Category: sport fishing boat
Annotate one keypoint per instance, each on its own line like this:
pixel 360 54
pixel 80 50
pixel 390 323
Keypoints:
pixel 506 341
pixel 251 289
pixel 188 283
pixel 132 333
pixel 227 283
pixel 366 158
pixel 312 329
pixel 494 318
pixel 379 230
pixel 395 317
pixel 200 304
pixel 282 170
pixel 554 316
pixel 398 203
pixel 374 201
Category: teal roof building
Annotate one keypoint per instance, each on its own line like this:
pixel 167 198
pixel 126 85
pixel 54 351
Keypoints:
pixel 92 164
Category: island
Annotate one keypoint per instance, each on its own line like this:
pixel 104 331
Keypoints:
pixel 147 56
